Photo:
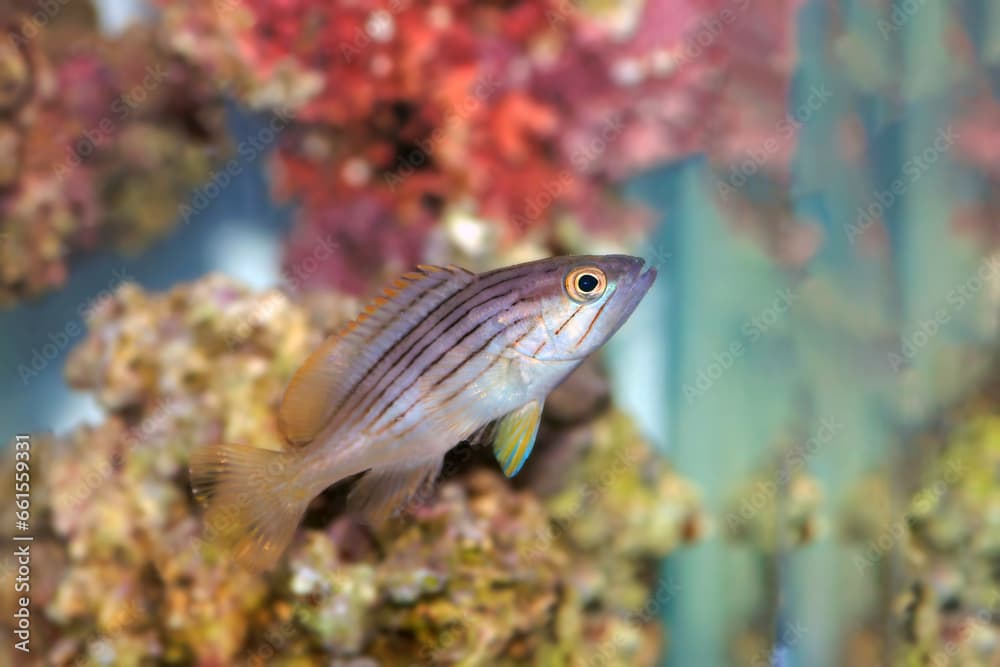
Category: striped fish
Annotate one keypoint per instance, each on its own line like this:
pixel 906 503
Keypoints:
pixel 442 354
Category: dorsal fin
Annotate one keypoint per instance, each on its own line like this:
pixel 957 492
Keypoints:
pixel 327 377
pixel 516 437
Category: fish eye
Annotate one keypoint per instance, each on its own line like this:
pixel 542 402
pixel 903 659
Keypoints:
pixel 585 284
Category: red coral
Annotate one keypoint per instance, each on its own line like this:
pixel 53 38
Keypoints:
pixel 85 123
pixel 352 246
pixel 525 109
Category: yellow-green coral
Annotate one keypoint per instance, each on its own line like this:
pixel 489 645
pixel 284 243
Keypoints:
pixel 951 616
pixel 479 573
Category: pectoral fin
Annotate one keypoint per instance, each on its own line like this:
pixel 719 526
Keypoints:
pixel 516 436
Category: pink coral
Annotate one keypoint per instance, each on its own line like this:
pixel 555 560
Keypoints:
pixel 525 110
pixel 103 137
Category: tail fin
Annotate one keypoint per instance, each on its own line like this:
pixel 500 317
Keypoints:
pixel 253 503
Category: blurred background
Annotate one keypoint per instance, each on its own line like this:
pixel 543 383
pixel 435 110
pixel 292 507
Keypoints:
pixel 789 456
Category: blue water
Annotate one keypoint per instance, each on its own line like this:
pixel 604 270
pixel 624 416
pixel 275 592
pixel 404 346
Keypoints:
pixel 239 233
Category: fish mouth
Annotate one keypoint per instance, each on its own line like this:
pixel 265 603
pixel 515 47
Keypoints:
pixel 633 288
pixel 645 279
pixel 642 278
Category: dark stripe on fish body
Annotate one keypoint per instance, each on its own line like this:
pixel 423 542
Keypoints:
pixel 459 314
pixel 492 363
pixel 432 365
pixel 383 327
pixel 477 352
pixel 386 325
pixel 395 354
pixel 452 396
pixel 412 337
pixel 440 340
pixel 455 394
pixel 474 354
pixel 569 319
pixel 592 323
pixel 357 396
pixel 449 338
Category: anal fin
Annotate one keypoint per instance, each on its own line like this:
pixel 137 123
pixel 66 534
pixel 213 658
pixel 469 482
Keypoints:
pixel 383 490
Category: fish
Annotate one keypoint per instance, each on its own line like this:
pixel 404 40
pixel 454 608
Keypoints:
pixel 442 354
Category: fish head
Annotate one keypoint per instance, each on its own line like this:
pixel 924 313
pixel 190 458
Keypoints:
pixel 583 301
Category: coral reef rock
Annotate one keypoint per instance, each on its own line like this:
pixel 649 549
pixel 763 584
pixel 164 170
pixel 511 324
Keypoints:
pixel 103 138
pixel 951 613
pixel 478 572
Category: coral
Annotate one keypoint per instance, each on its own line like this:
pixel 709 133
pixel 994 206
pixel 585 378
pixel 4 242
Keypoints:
pixel 978 148
pixel 519 114
pixel 775 510
pixel 105 136
pixel 951 613
pixel 477 572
